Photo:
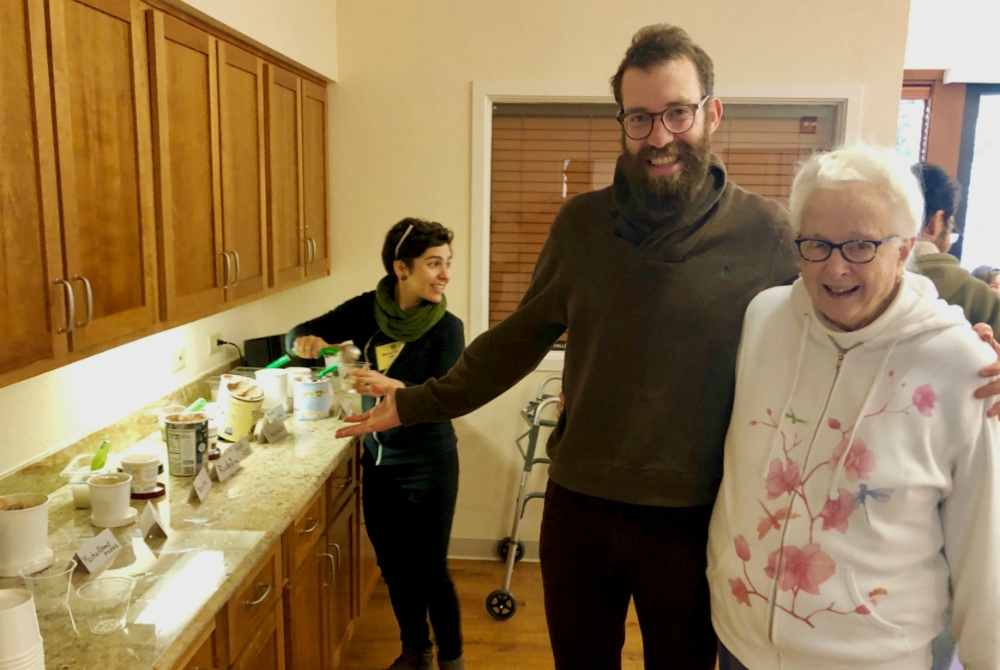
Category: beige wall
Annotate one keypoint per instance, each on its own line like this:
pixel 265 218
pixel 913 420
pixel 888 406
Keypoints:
pixel 402 131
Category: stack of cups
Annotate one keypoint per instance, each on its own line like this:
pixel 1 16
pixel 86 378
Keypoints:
pixel 275 386
pixel 20 639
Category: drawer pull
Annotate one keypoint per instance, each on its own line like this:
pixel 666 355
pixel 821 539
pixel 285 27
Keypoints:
pixel 333 567
pixel 346 481
pixel 263 596
pixel 311 528
pixel 337 547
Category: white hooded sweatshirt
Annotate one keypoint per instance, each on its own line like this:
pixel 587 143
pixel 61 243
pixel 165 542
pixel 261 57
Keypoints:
pixel 826 556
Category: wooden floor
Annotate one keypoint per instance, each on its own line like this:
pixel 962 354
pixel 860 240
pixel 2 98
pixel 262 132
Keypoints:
pixel 521 642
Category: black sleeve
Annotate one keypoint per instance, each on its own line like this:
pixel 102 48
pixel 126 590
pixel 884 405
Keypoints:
pixel 334 326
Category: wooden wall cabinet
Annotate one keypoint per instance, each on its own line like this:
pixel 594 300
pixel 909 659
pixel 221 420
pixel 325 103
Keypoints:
pixel 153 173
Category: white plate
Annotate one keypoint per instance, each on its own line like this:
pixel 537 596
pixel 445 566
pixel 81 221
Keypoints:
pixel 116 523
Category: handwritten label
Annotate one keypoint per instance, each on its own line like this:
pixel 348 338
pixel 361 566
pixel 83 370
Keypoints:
pixel 202 483
pixel 228 463
pixel 276 413
pixel 150 522
pixel 274 431
pixel 241 448
pixel 99 550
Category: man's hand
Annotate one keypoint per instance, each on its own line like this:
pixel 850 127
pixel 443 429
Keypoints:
pixel 380 418
pixel 993 388
pixel 373 383
pixel 308 346
pixel 561 405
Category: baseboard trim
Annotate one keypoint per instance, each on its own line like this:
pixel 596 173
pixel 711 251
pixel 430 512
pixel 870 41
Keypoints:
pixel 474 549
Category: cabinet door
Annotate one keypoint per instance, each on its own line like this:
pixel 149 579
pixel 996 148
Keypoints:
pixel 101 90
pixel 186 143
pixel 368 571
pixel 341 538
pixel 32 304
pixel 284 167
pixel 314 179
pixel 266 649
pixel 305 602
pixel 244 215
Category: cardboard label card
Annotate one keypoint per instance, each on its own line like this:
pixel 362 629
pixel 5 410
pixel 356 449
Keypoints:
pixel 276 413
pixel 228 463
pixel 273 431
pixel 150 522
pixel 202 483
pixel 241 448
pixel 99 550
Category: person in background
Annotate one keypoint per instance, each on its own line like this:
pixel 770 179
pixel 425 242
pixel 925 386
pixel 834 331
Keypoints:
pixel 410 476
pixel 860 472
pixel 954 284
pixel 989 275
pixel 651 277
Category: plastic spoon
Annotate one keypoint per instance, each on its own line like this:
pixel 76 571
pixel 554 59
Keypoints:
pixel 325 351
pixel 101 457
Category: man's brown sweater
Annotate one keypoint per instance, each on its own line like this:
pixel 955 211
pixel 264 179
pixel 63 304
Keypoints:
pixel 654 306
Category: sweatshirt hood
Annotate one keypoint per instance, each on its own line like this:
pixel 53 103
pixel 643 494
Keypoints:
pixel 672 234
pixel 915 310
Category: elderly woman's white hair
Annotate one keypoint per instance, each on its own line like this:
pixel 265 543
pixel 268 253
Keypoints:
pixel 880 167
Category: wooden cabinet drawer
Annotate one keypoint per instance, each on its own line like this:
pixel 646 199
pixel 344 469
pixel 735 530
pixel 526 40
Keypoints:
pixel 206 653
pixel 254 598
pixel 340 485
pixel 266 648
pixel 304 532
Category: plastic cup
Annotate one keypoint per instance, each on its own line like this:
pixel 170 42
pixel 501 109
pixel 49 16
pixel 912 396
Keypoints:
pixel 105 603
pixel 49 582
pixel 348 379
pixel 19 634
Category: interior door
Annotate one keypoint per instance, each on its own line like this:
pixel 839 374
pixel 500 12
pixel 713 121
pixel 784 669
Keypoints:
pixel 101 91
pixel 284 161
pixel 244 214
pixel 195 270
pixel 314 177
pixel 32 304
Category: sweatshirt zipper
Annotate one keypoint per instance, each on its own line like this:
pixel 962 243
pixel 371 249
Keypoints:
pixel 773 600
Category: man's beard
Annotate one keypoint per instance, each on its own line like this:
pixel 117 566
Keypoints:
pixel 672 191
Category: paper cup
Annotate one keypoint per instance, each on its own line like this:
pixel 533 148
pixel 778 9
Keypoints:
pixel 275 386
pixel 19 634
pixel 110 495
pixel 144 469
pixel 24 532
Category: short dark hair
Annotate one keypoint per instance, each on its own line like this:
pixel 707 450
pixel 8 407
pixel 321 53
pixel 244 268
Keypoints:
pixel 941 190
pixel 985 273
pixel 423 236
pixel 658 44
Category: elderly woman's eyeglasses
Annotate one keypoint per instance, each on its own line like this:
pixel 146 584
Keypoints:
pixel 676 118
pixel 853 251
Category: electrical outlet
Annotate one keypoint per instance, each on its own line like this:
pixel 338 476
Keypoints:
pixel 180 360
pixel 213 343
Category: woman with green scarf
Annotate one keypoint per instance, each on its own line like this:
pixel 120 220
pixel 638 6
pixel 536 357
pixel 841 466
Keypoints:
pixel 410 477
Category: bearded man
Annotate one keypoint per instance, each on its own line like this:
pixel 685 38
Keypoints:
pixel 651 276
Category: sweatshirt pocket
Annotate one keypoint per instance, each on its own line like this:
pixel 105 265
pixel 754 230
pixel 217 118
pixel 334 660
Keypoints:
pixel 866 607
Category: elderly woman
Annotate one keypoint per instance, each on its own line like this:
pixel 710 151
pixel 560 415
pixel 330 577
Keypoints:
pixel 860 473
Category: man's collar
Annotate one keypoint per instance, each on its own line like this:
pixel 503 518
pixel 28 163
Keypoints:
pixel 922 248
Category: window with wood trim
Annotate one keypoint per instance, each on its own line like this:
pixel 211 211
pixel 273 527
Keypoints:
pixel 913 121
pixel 542 155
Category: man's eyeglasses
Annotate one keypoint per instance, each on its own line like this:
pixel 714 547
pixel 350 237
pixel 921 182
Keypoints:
pixel 677 119
pixel 853 251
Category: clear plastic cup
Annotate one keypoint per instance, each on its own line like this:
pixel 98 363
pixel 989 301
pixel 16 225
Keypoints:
pixel 349 384
pixel 49 582
pixel 105 603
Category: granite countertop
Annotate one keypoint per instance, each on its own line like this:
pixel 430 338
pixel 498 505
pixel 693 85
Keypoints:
pixel 184 580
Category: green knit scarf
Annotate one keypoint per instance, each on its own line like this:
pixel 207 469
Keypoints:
pixel 405 325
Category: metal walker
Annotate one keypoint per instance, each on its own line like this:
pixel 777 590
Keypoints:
pixel 501 604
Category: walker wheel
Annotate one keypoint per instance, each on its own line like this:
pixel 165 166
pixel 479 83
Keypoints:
pixel 501 605
pixel 503 549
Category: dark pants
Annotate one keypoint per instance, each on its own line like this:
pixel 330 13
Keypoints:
pixel 727 661
pixel 597 555
pixel 408 513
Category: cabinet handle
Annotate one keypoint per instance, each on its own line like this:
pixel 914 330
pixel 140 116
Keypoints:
pixel 229 268
pixel 236 255
pixel 90 301
pixel 311 528
pixel 337 547
pixel 262 597
pixel 70 306
pixel 346 479
pixel 333 568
